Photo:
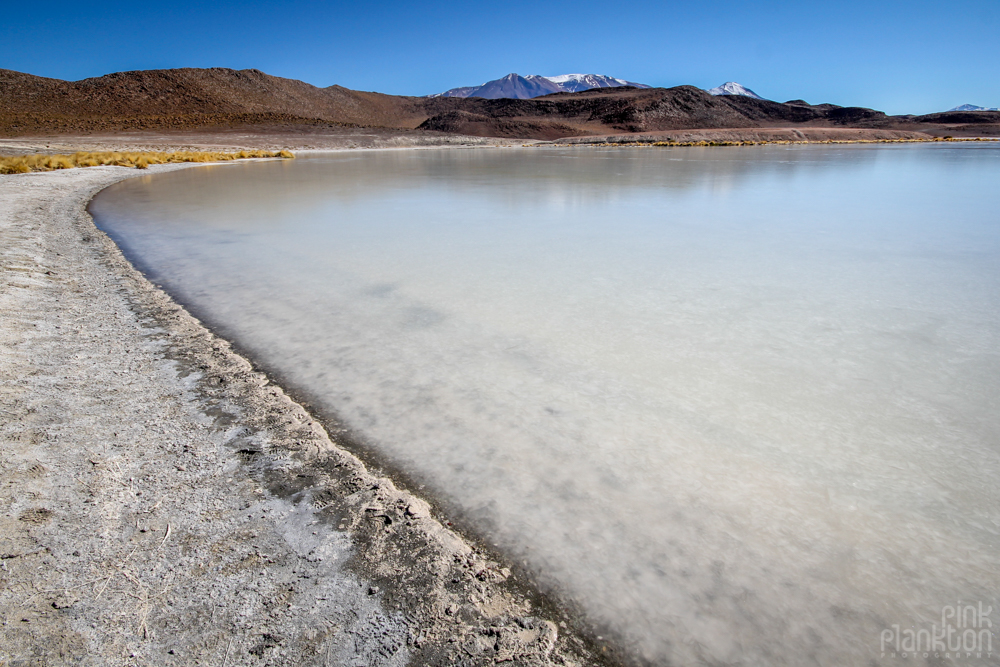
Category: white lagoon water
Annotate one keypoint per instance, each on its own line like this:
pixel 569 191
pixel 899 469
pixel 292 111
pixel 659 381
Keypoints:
pixel 741 405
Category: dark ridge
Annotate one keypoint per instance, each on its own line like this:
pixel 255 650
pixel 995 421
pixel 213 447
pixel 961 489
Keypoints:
pixel 961 117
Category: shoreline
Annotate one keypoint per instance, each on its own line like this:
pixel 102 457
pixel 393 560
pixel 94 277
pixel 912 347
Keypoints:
pixel 763 137
pixel 118 442
pixel 323 510
pixel 238 139
pixel 265 138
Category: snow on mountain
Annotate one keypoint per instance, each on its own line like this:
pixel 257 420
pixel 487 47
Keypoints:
pixel 733 88
pixel 456 92
pixel 519 87
pixel 574 83
pixel 973 107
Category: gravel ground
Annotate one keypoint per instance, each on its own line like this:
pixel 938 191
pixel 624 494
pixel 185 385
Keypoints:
pixel 296 138
pixel 165 504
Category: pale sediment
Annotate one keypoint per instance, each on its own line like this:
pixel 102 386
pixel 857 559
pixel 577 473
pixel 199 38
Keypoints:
pixel 165 504
pixel 236 139
pixel 803 134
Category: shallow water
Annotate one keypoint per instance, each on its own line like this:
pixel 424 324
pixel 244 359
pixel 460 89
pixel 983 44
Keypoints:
pixel 741 404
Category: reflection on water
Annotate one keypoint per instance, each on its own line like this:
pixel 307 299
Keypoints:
pixel 742 404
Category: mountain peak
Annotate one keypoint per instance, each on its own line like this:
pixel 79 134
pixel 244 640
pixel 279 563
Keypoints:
pixel 973 107
pixel 733 88
pixel 515 86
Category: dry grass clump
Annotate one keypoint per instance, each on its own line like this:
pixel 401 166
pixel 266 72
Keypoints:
pixel 22 164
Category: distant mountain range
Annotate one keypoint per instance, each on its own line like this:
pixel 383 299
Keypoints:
pixel 973 107
pixel 517 87
pixel 181 99
pixel 733 88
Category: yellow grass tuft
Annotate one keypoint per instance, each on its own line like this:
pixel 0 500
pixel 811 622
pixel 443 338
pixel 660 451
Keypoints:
pixel 22 164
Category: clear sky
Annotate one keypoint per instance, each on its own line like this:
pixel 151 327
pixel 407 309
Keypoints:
pixel 900 57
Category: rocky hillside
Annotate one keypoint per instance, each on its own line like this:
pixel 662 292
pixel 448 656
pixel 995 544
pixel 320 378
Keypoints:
pixel 631 110
pixel 180 97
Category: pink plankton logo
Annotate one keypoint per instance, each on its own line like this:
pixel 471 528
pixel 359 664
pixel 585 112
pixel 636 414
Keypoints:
pixel 966 631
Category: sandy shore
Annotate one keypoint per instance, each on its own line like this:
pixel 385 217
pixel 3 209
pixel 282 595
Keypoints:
pixel 251 138
pixel 325 139
pixel 165 504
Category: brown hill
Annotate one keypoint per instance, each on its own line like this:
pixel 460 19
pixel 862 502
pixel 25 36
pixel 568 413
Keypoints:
pixel 218 97
pixel 961 118
pixel 180 97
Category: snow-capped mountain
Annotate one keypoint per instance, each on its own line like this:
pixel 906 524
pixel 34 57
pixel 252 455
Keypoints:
pixel 515 86
pixel 973 107
pixel 574 83
pixel 733 88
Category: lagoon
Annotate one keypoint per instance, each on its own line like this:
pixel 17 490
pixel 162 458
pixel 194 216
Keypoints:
pixel 734 404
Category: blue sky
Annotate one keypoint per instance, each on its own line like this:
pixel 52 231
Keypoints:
pixel 900 57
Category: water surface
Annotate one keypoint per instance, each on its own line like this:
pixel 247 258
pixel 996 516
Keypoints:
pixel 740 404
